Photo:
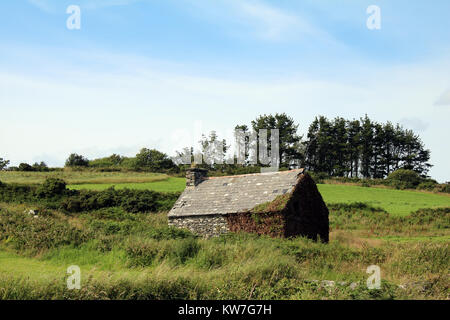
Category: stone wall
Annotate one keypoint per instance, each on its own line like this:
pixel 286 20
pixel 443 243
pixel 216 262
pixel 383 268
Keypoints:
pixel 207 226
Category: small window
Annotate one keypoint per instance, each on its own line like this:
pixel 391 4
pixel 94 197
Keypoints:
pixel 285 190
pixel 225 184
pixel 275 191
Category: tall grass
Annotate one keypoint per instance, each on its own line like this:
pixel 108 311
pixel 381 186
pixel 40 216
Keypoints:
pixel 137 256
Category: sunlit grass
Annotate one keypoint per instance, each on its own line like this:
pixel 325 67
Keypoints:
pixel 81 177
pixel 397 202
pixel 171 184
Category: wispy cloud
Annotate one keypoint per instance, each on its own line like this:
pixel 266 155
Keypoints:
pixel 44 5
pixel 257 18
pixel 273 23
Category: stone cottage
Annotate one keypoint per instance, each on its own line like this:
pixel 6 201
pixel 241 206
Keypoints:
pixel 280 204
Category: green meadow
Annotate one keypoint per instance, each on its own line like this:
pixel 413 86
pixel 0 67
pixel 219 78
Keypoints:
pixel 396 202
pixel 169 184
pixel 81 177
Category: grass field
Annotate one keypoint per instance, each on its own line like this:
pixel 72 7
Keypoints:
pixel 81 177
pixel 169 184
pixel 397 202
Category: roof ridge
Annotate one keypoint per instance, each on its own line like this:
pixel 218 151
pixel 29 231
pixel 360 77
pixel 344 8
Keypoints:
pixel 252 174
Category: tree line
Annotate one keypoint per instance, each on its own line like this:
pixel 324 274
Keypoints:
pixel 338 147
pixel 363 148
pixel 347 148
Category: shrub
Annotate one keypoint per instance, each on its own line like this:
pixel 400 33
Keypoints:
pixel 354 206
pixel 17 193
pixel 184 249
pixel 318 177
pixel 53 194
pixel 443 188
pixel 25 167
pixel 211 257
pixel 40 167
pixel 25 232
pixel 133 201
pixel 143 253
pixel 404 179
pixel 114 160
pixel 365 183
pixel 423 258
pixel 52 187
pixel 112 213
pixel 76 160
pixel 111 227
pixel 153 160
pixel 167 233
pixel 427 185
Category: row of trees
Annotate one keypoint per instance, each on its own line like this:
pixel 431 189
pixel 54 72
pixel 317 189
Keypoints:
pixel 42 166
pixel 363 148
pixel 347 148
pixel 338 147
pixel 150 160
pixel 146 160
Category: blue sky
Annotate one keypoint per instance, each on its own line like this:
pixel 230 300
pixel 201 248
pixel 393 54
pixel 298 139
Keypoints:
pixel 158 73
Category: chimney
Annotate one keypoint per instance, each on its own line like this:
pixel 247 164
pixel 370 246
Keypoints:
pixel 194 176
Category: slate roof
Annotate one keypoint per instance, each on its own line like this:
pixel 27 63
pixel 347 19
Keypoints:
pixel 233 194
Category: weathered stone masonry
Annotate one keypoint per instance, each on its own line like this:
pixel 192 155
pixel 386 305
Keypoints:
pixel 207 225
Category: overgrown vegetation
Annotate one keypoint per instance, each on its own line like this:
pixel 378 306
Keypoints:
pixel 137 256
pixel 275 205
pixel 53 194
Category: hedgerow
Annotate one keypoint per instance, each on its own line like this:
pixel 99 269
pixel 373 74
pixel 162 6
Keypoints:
pixel 54 194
